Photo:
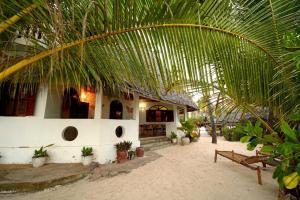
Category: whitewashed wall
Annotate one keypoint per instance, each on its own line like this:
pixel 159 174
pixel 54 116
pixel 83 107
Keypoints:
pixel 19 136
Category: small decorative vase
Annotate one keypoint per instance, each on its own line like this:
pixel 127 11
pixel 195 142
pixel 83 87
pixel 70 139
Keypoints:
pixel 139 151
pixel 87 160
pixel 38 162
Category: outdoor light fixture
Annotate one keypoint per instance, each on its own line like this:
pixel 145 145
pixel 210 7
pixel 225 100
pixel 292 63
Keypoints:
pixel 142 106
pixel 83 95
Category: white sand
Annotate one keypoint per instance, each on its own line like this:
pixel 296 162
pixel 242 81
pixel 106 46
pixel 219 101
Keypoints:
pixel 183 172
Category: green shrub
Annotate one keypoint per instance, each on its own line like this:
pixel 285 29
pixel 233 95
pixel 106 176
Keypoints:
pixel 238 132
pixel 173 135
pixel 41 152
pixel 233 134
pixel 87 151
pixel 123 146
pixel 227 133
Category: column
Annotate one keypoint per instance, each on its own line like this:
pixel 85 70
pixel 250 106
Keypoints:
pixel 98 103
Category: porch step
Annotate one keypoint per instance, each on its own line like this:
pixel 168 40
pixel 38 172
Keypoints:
pixel 150 140
pixel 155 143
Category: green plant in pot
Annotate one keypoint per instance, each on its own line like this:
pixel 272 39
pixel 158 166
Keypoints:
pixel 40 156
pixel 122 150
pixel 131 155
pixel 194 136
pixel 188 127
pixel 87 155
pixel 173 137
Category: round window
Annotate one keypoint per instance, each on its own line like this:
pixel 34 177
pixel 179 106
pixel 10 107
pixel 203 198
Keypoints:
pixel 70 133
pixel 119 131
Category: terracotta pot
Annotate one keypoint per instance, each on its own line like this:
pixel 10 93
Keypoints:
pixel 122 156
pixel 139 151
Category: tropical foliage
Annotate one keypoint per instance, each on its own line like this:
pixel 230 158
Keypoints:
pixel 41 152
pixel 285 145
pixel 233 46
pixel 123 146
pixel 86 151
pixel 234 134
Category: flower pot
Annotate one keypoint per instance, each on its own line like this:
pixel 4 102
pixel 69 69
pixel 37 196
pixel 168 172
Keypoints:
pixel 195 139
pixel 174 140
pixel 87 160
pixel 139 151
pixel 122 156
pixel 185 140
pixel 38 162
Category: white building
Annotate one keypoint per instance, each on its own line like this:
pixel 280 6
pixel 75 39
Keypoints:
pixel 71 119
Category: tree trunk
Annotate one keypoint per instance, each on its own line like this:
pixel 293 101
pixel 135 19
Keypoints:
pixel 212 122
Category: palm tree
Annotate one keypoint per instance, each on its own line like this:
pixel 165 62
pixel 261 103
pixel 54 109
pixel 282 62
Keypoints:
pixel 233 45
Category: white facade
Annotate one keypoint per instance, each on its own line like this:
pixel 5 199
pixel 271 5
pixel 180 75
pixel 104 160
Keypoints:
pixel 20 136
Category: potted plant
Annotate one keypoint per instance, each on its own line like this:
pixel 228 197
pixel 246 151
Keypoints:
pixel 188 127
pixel 139 151
pixel 87 155
pixel 131 155
pixel 195 136
pixel 122 150
pixel 173 137
pixel 40 156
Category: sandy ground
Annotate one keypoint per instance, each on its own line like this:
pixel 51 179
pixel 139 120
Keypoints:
pixel 183 172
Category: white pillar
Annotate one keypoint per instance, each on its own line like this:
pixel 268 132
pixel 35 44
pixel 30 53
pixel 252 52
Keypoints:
pixel 40 102
pixel 98 103
pixel 176 116
pixel 185 113
pixel 136 114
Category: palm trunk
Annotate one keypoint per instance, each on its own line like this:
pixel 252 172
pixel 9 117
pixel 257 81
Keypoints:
pixel 212 122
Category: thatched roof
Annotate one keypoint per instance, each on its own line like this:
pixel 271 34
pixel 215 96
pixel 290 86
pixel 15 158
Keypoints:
pixel 174 98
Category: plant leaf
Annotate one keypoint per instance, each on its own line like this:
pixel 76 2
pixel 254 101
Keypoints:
pixel 267 149
pixel 245 139
pixel 289 132
pixel 291 181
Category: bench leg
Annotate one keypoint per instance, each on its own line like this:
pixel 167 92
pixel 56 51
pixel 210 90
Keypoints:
pixel 259 175
pixel 216 154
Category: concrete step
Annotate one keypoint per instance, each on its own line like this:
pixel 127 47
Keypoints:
pixel 151 140
pixel 160 147
pixel 150 145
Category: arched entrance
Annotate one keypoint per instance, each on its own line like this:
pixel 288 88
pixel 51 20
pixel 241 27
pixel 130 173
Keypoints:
pixel 116 110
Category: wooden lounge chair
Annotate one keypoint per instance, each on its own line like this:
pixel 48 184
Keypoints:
pixel 247 161
pixel 274 162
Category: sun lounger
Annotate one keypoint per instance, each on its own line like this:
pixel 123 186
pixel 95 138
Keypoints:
pixel 247 161
pixel 274 162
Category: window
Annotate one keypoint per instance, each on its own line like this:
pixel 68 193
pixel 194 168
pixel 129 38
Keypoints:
pixel 70 133
pixel 116 110
pixel 72 106
pixel 159 113
pixel 119 131
pixel 17 100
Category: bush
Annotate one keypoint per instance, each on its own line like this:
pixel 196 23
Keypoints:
pixel 41 152
pixel 227 132
pixel 173 135
pixel 123 146
pixel 238 132
pixel 233 134
pixel 87 151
